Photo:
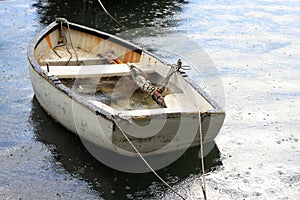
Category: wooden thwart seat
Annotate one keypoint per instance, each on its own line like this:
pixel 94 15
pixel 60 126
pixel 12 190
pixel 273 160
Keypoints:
pixel 73 61
pixel 89 71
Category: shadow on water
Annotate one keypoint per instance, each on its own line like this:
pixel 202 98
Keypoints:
pixel 130 13
pixel 70 154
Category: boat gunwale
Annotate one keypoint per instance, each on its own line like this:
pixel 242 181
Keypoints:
pixel 53 80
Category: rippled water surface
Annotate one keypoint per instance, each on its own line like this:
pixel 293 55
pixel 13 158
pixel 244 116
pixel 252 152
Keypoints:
pixel 255 50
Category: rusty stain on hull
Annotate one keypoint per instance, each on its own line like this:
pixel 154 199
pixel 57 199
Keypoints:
pixel 131 56
pixel 48 39
pixel 137 57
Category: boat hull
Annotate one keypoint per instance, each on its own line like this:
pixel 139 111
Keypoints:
pixel 154 132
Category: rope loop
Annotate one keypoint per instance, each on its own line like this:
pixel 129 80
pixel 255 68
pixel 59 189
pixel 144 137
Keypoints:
pixel 63 41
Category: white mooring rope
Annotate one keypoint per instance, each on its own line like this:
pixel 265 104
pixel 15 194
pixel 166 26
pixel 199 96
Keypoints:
pixel 148 165
pixel 65 41
pixel 203 186
pixel 102 6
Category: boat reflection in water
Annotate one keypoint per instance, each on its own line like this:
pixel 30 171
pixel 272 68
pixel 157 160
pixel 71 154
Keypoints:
pixel 69 153
pixel 130 13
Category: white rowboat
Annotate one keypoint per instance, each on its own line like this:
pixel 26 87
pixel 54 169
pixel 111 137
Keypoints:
pixel 80 76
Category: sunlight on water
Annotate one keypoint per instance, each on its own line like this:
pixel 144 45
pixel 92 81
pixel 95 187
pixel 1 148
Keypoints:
pixel 254 46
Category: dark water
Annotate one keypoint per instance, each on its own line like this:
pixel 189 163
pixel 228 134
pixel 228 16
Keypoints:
pixel 130 13
pixel 255 49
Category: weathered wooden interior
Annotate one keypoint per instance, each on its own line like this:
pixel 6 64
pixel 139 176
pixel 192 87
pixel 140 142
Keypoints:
pixel 87 47
pixel 72 54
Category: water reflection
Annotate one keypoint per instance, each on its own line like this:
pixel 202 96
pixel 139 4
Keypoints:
pixel 71 155
pixel 131 13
